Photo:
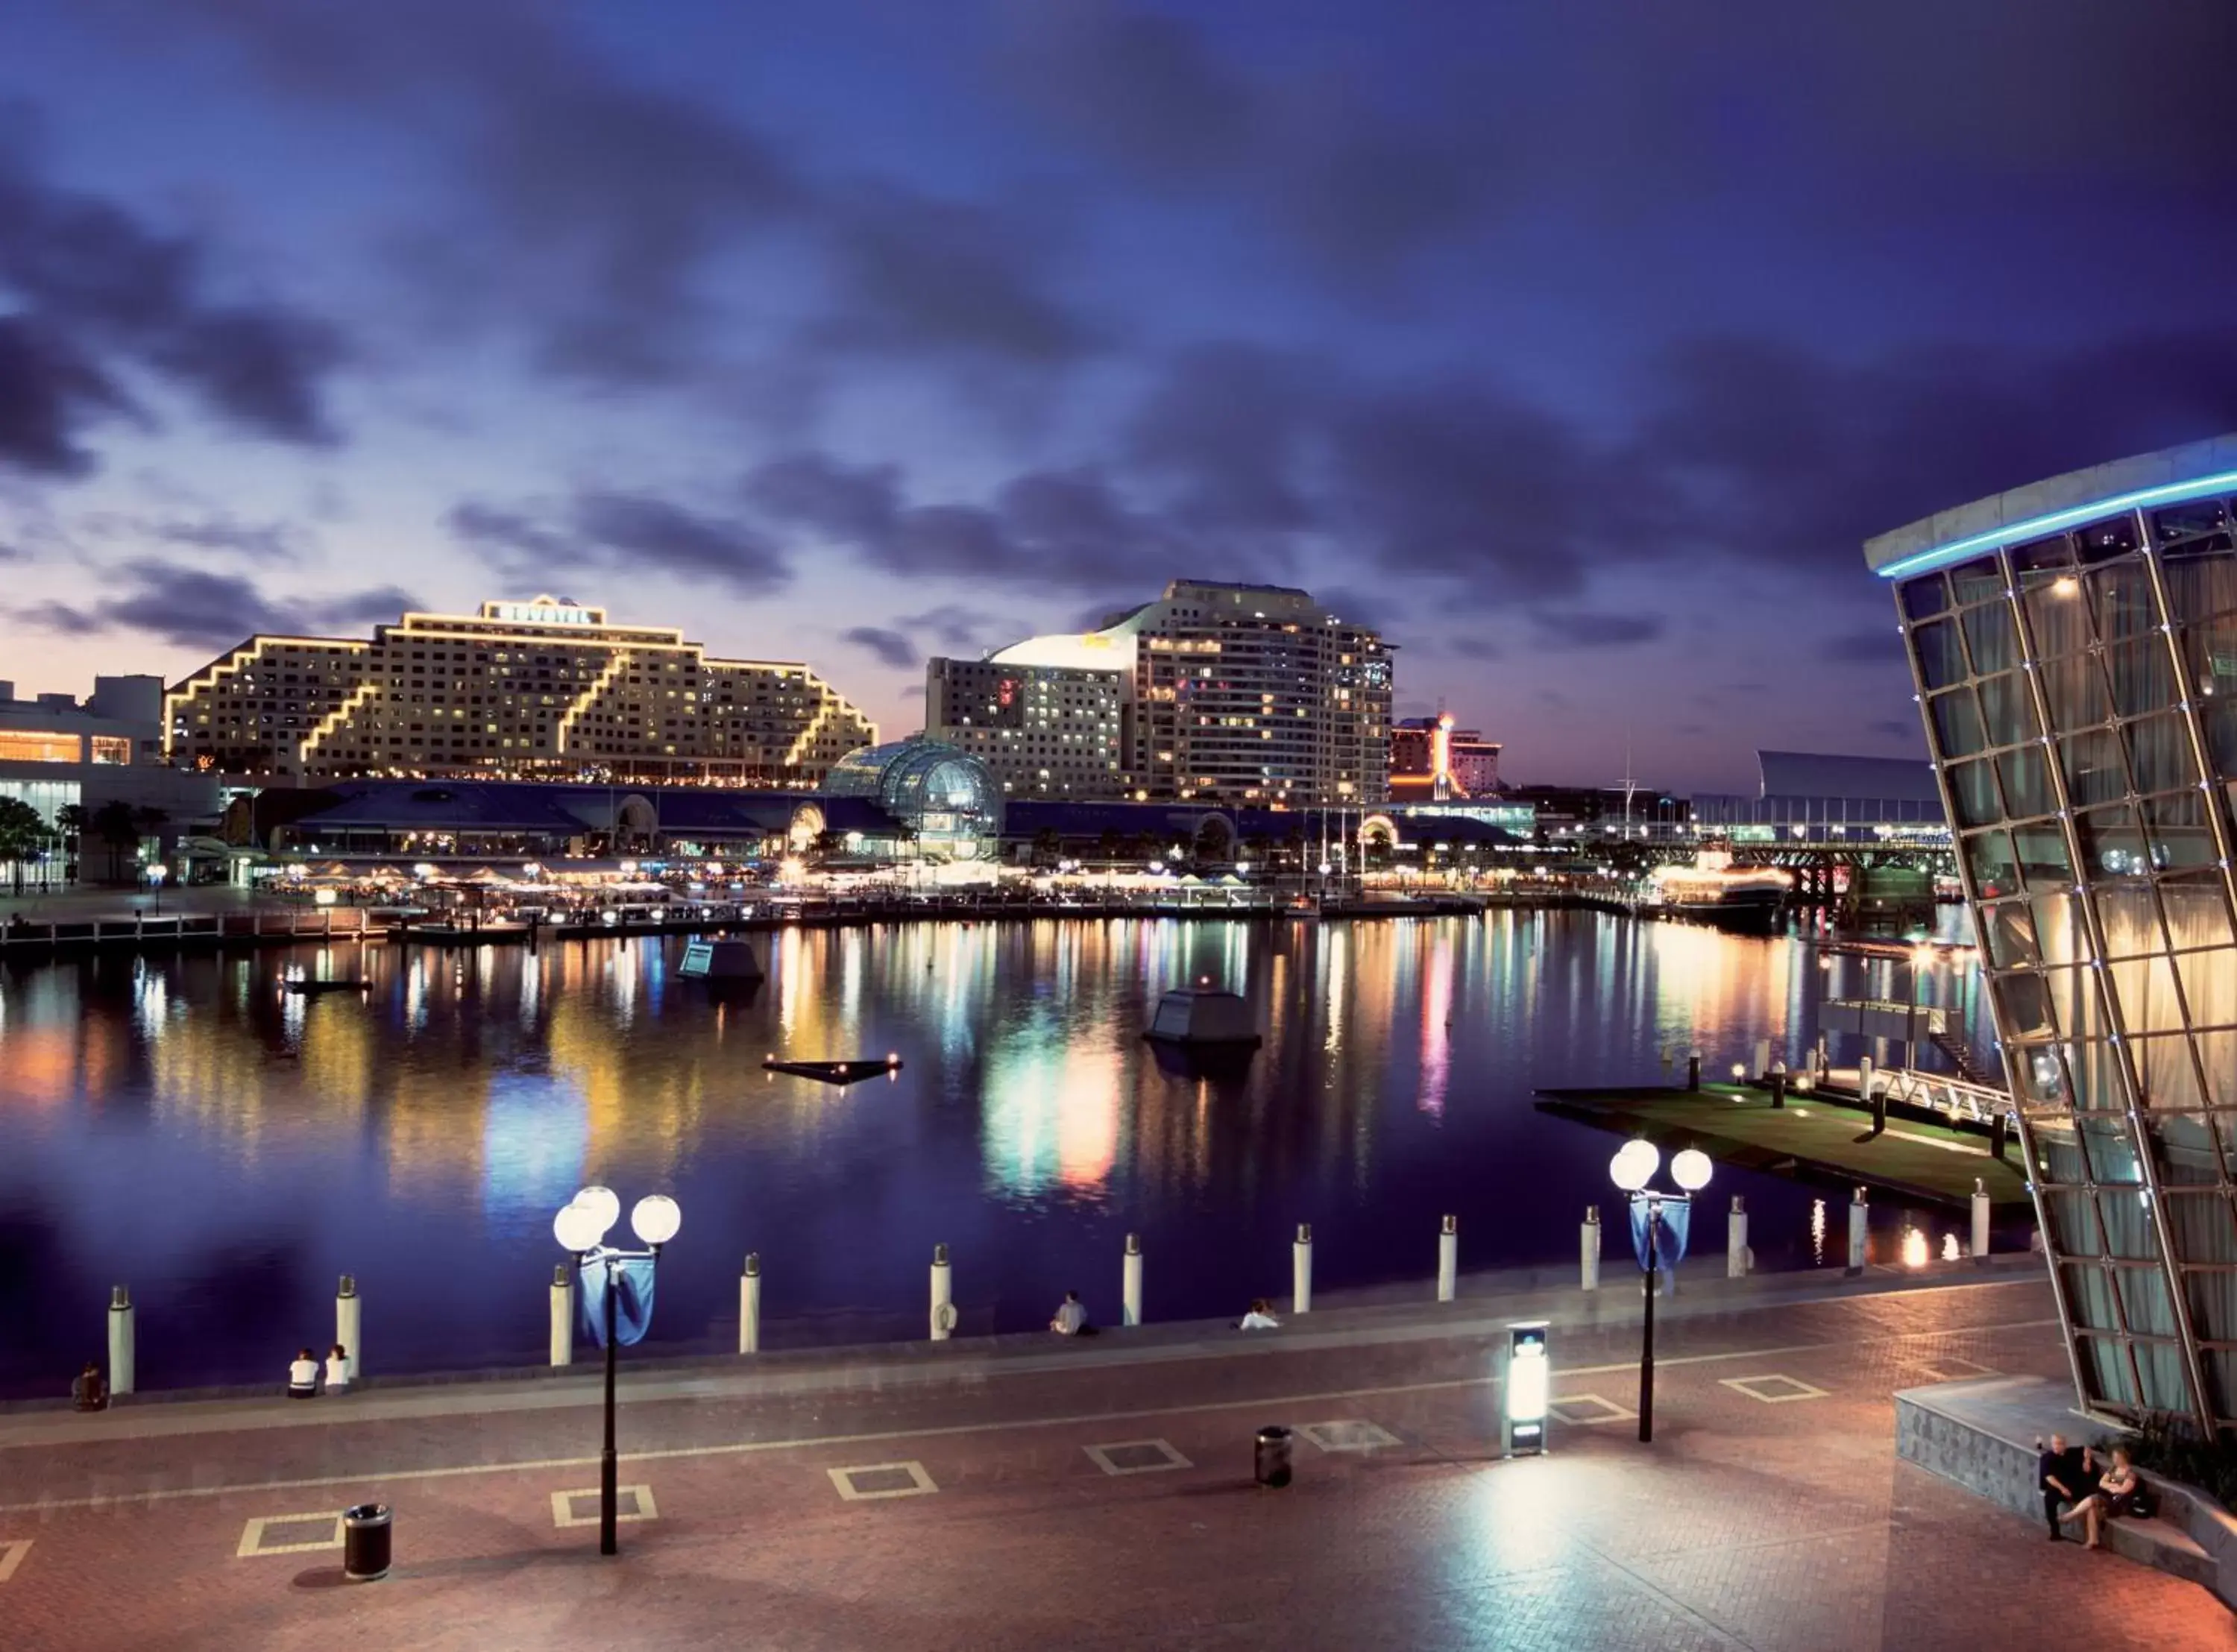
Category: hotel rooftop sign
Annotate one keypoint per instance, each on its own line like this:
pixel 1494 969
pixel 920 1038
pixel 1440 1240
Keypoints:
pixel 544 610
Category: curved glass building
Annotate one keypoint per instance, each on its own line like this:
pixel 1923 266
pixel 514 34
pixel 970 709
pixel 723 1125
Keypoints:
pixel 2074 645
pixel 947 799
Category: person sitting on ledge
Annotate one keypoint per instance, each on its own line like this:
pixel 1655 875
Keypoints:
pixel 87 1392
pixel 303 1376
pixel 2063 1476
pixel 2115 1495
pixel 337 1370
pixel 1071 1319
pixel 1261 1317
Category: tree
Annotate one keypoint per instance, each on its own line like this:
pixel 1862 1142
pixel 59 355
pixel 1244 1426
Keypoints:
pixel 23 834
pixel 114 823
pixel 69 822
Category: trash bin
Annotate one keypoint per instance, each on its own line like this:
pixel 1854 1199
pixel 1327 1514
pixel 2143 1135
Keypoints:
pixel 366 1542
pixel 1272 1456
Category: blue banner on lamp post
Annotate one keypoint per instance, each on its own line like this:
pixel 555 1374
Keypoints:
pixel 632 1277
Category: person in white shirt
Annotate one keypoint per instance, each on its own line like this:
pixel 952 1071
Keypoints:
pixel 1071 1319
pixel 337 1372
pixel 303 1376
pixel 1261 1317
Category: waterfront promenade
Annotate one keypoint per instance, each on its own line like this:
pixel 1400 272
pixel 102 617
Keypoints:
pixel 1022 1493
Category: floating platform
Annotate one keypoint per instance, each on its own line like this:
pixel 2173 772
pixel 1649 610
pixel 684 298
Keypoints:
pixel 1202 1018
pixel 729 962
pixel 836 1072
pixel 1812 1138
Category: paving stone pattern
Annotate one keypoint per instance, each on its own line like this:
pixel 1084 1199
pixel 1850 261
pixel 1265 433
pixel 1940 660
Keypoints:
pixel 1746 1524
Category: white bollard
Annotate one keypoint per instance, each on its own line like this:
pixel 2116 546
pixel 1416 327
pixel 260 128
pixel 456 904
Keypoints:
pixel 1736 1245
pixel 349 1323
pixel 749 1305
pixel 1864 1079
pixel 563 1315
pixel 1448 1260
pixel 1130 1282
pixel 943 1296
pixel 1589 1248
pixel 120 1341
pixel 1762 1058
pixel 1301 1270
pixel 1980 1222
pixel 1859 1215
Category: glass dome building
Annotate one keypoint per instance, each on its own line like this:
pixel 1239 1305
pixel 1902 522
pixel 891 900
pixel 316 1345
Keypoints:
pixel 946 798
pixel 2075 647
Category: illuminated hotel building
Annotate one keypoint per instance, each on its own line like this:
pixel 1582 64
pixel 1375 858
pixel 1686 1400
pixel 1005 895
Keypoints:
pixel 2074 644
pixel 1433 762
pixel 538 689
pixel 1043 731
pixel 1238 694
pixel 56 754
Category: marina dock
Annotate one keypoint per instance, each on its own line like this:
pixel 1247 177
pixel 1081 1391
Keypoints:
pixel 1813 1138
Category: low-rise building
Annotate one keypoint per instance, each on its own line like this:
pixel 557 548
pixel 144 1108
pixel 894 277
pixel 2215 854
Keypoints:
pixel 59 753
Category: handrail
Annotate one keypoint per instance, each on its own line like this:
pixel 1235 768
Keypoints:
pixel 1958 1097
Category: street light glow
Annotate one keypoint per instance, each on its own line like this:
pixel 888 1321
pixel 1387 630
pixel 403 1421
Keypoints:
pixel 657 1219
pixel 1634 1165
pixel 1691 1169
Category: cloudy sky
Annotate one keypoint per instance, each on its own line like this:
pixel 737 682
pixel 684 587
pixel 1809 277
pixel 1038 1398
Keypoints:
pixel 1579 345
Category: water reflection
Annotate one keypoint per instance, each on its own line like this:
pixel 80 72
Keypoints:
pixel 172 1123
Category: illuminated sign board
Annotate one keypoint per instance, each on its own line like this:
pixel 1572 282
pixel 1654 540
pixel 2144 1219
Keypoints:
pixel 539 613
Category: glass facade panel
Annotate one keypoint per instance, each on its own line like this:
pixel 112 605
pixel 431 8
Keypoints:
pixel 2057 617
pixel 2121 602
pixel 1973 793
pixel 1995 872
pixel 1992 638
pixel 1977 581
pixel 2210 657
pixel 2209 986
pixel 2142 675
pixel 2007 708
pixel 1925 597
pixel 2008 932
pixel 2040 850
pixel 2026 782
pixel 2075 691
pixel 1941 658
pixel 1956 722
pixel 2095 767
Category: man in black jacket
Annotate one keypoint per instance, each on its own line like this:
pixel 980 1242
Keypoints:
pixel 2064 1476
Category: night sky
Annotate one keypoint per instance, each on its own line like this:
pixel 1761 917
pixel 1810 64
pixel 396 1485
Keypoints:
pixel 1577 345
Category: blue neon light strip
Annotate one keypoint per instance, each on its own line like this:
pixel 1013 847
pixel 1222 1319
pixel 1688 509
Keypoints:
pixel 1958 551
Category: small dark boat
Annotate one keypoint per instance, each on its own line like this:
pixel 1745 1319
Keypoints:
pixel 1204 1018
pixel 308 988
pixel 835 1072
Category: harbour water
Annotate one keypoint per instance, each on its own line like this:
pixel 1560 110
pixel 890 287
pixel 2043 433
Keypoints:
pixel 181 1126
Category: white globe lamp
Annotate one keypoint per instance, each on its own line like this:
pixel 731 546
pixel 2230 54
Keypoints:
pixel 655 1219
pixel 1691 1169
pixel 1634 1165
pixel 603 1204
pixel 578 1229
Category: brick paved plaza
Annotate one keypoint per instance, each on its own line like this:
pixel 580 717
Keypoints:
pixel 1097 1494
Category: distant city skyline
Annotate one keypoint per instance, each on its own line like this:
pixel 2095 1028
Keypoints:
pixel 1577 350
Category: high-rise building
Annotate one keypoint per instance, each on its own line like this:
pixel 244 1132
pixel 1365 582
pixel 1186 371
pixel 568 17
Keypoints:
pixel 1240 694
pixel 538 689
pixel 1433 762
pixel 1045 731
pixel 2074 645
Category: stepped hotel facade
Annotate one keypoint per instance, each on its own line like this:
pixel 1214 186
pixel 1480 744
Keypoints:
pixel 541 689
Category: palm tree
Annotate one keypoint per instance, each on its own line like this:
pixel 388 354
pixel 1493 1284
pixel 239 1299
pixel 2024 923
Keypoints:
pixel 115 824
pixel 23 834
pixel 70 821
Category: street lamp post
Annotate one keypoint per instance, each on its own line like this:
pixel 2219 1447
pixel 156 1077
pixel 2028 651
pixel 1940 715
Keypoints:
pixel 580 1228
pixel 1632 1169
